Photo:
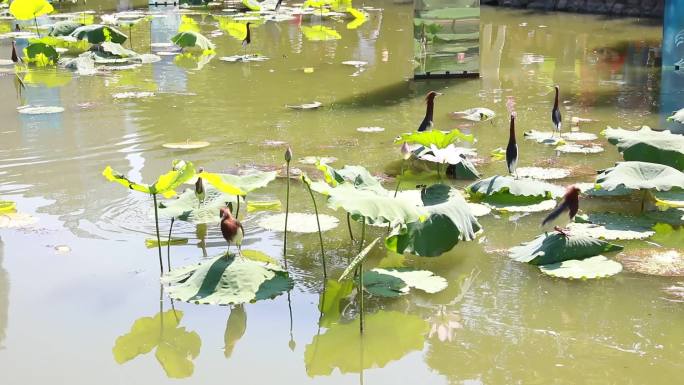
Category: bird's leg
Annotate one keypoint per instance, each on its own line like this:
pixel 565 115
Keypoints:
pixel 563 232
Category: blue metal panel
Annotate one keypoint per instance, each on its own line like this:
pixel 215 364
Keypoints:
pixel 672 81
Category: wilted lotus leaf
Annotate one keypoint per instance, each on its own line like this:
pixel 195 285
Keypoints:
pixel 589 268
pixel 478 114
pixel 449 220
pixel 640 176
pixel 441 139
pixel 298 222
pixel 387 337
pixel 554 247
pixel 546 205
pixel 226 280
pixel 97 33
pixel 320 33
pixel 580 148
pixel 176 347
pixel 543 173
pixel 39 110
pixel 509 190
pixel 187 206
pixel 654 261
pixel 543 137
pixel 646 145
pixel 611 226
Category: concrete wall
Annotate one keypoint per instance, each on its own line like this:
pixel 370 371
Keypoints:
pixel 635 8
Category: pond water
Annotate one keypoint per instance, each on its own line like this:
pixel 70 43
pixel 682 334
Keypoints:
pixel 62 309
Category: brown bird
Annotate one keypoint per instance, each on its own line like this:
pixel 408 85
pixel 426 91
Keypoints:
pixel 570 202
pixel 231 228
pixel 430 106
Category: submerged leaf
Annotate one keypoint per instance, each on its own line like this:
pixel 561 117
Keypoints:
pixel 590 268
pixel 555 247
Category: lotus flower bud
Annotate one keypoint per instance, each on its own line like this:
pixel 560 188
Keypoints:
pixel 288 154
pixel 405 151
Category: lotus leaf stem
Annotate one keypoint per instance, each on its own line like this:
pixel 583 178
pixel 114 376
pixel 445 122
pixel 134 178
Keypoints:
pixel 287 212
pixel 351 234
pixel 360 271
pixel 156 224
pixel 168 246
pixel 320 235
pixel 401 174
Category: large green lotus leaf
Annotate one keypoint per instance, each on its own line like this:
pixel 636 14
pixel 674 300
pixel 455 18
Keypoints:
pixel 98 33
pixel 248 182
pixel 640 176
pixel 375 208
pixel 423 280
pixel 611 226
pixel 441 139
pixel 647 145
pixel 388 336
pixel 509 190
pixel 331 301
pixel 449 221
pixel 167 183
pixel 42 53
pixel 555 247
pixel 29 9
pixel 590 268
pixel 188 208
pixel 189 39
pixel 223 280
pixel 674 217
pixel 320 33
pixel 176 347
pixel 64 28
pixel 654 261
pixel 235 329
pixel 384 285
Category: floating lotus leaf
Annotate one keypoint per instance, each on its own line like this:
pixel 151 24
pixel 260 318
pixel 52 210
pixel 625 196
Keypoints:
pixel 674 217
pixel 190 39
pixel 509 190
pixel 320 33
pixel 423 280
pixel 478 114
pixel 388 336
pixel 151 243
pixel 39 110
pixel 298 223
pixel 7 206
pixel 317 159
pixel 677 116
pixel 449 221
pixel 226 280
pixel 243 58
pixel 98 33
pixel 30 9
pixel 41 54
pixel 235 329
pixel 554 247
pixel 610 226
pixel 580 149
pixel 188 208
pixel 10 220
pixel 274 205
pixel 187 145
pixel 332 300
pixel 355 63
pixel 305 106
pixel 589 268
pixel 441 139
pixel 579 136
pixel 176 347
pixel 370 129
pixel 479 210
pixel 533 208
pixel 654 261
pixel 543 173
pixel 543 137
pixel 646 145
pixel 116 50
pixel 640 176
pixel 64 28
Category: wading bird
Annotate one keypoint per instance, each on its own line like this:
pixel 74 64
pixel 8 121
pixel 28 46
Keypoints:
pixel 556 115
pixel 231 228
pixel 429 109
pixel 570 202
pixel 512 149
pixel 199 188
pixel 278 5
pixel 247 39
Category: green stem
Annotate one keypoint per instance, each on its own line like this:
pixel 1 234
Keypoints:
pixel 156 224
pixel 237 210
pixel 320 236
pixel 287 214
pixel 35 21
pixel 351 235
pixel 360 269
pixel 401 174
pixel 168 246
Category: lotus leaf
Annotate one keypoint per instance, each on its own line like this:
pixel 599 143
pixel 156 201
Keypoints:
pixel 30 9
pixel 332 300
pixel 509 190
pixel 554 247
pixel 423 280
pixel 543 173
pixel 189 39
pixel 176 347
pixel 478 114
pixel 10 220
pixel 188 208
pixel 320 33
pixel 376 208
pixel 225 280
pixel 449 221
pixel 612 226
pixel 152 243
pixel 579 148
pixel 165 185
pixel 654 261
pixel 543 137
pixel 274 205
pixel 360 17
pixel 298 223
pixel 97 33
pixel 239 184
pixel 64 28
pixel 647 145
pixel 454 156
pixel 668 236
pixel 546 205
pixel 640 176
pixel 388 336
pixel 7 206
pixel 441 139
pixel 358 259
pixel 235 329
pixel 590 268
pixel 579 136
pixel 39 110
pixel 41 54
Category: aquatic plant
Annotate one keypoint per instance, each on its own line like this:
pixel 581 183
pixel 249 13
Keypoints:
pixel 165 185
pixel 288 159
pixel 98 33
pixel 509 190
pixel 307 183
pixel 647 145
pixel 191 39
pixel 440 139
pixel 41 54
pixel 30 9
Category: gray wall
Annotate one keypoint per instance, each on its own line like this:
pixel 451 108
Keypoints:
pixel 639 8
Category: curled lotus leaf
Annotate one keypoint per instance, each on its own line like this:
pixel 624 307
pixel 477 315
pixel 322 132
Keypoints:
pixel 332 300
pixel 192 39
pixel 509 190
pixel 98 33
pixel 298 222
pixel 653 261
pixel 165 184
pixel 358 259
pixel 554 247
pixel 589 268
pixel 374 207
pixel 226 280
pixel 543 137
pixel 647 145
pixel 639 176
pixel 441 139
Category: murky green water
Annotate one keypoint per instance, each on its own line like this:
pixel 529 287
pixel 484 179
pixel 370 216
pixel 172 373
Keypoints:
pixel 498 322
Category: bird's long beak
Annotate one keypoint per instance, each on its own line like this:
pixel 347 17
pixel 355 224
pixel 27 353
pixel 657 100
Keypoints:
pixel 439 93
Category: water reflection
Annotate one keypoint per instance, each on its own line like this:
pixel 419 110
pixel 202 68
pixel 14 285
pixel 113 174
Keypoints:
pixel 236 326
pixel 4 296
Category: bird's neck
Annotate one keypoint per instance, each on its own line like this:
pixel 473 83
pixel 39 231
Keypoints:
pixel 555 102
pixel 511 132
pixel 429 109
